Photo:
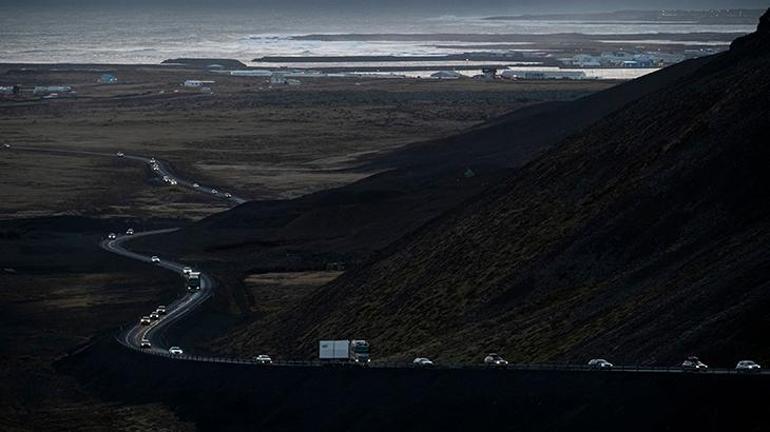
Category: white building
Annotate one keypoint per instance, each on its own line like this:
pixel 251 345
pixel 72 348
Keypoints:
pixel 197 83
pixel 445 75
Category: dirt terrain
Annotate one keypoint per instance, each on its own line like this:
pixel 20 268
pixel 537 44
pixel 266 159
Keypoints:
pixel 264 142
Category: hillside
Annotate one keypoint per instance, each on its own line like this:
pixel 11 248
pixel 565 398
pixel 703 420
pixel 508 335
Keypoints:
pixel 415 184
pixel 642 239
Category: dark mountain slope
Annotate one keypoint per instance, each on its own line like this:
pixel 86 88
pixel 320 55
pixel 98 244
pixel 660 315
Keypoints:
pixel 420 182
pixel 642 239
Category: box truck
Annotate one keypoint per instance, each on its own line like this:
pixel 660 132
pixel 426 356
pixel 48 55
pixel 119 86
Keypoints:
pixel 356 351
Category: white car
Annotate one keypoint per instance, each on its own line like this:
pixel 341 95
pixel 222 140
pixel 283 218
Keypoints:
pixel 152 160
pixel 600 364
pixel 112 236
pixel 7 145
pixel 422 362
pixel 495 360
pixel 119 154
pixel 145 320
pixel 187 271
pixel 154 316
pixel 196 185
pixel 693 363
pixel 747 366
pixel 228 195
pixel 161 310
pixel 172 182
pixel 175 350
pixel 262 359
pixel 155 259
pixel 145 344
pixel 130 231
pixel 214 191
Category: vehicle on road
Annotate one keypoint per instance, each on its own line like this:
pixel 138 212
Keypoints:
pixel 112 236
pixel 693 363
pixel 145 320
pixel 175 350
pixel 172 182
pixel 422 362
pixel 161 310
pixel 152 160
pixel 356 351
pixel 196 185
pixel 155 259
pixel 119 154
pixel 154 316
pixel 186 271
pixel 493 359
pixel 6 145
pixel 228 195
pixel 130 231
pixel 262 359
pixel 747 366
pixel 214 191
pixel 145 344
pixel 600 364
pixel 193 281
pixel 155 168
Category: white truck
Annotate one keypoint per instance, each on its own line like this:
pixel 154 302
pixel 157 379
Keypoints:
pixel 356 351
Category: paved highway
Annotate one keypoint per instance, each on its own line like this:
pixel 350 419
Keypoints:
pixel 156 331
pixel 163 169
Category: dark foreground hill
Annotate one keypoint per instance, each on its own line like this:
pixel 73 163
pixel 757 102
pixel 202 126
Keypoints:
pixel 642 239
pixel 416 184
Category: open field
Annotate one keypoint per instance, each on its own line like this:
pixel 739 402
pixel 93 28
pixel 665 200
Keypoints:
pixel 266 143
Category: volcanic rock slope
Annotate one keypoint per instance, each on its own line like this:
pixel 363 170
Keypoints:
pixel 642 239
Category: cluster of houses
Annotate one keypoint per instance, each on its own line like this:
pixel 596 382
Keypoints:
pixel 628 59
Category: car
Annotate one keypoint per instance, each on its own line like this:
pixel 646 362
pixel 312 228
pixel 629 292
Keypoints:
pixel 495 360
pixel 747 366
pixel 422 362
pixel 196 185
pixel 155 168
pixel 187 271
pixel 228 195
pixel 172 182
pixel 154 316
pixel 175 350
pixel 130 231
pixel 693 363
pixel 145 320
pixel 152 160
pixel 161 310
pixel 214 191
pixel 155 259
pixel 262 359
pixel 145 344
pixel 6 145
pixel 119 154
pixel 600 364
pixel 112 236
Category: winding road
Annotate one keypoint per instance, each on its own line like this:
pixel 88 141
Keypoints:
pixel 156 331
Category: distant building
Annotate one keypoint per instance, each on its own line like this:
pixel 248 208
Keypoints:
pixel 251 73
pixel 108 79
pixel 489 73
pixel 196 83
pixel 446 75
pixel 49 90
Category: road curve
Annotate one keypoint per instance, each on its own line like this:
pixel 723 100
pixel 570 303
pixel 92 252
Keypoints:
pixel 164 169
pixel 179 308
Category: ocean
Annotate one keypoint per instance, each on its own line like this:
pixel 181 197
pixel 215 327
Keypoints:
pixel 151 36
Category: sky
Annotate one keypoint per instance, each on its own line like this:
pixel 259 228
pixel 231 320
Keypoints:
pixel 435 6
